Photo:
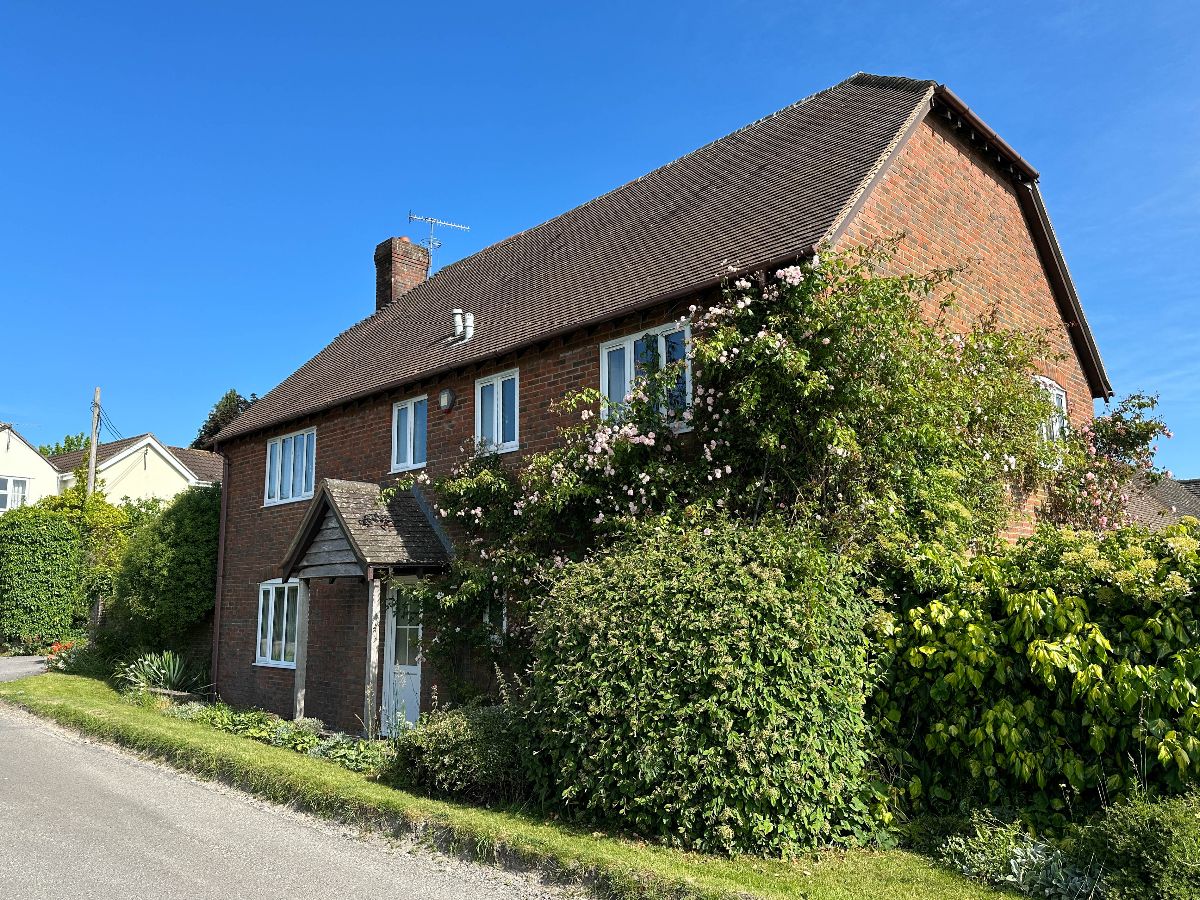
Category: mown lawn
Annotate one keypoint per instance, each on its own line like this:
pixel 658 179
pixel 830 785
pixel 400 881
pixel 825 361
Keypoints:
pixel 616 867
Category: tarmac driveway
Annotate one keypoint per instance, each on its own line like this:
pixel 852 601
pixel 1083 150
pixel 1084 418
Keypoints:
pixel 14 667
pixel 84 820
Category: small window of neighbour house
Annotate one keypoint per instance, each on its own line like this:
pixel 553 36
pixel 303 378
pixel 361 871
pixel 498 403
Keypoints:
pixel 277 607
pixel 497 413
pixel 291 467
pixel 13 492
pixel 1055 427
pixel 409 421
pixel 626 359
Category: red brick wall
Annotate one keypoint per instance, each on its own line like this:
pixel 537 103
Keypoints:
pixel 355 443
pixel 955 210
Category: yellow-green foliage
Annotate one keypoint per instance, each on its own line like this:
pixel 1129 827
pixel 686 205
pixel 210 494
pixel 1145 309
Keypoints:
pixel 1056 673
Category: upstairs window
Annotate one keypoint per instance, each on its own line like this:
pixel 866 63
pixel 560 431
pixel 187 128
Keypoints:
pixel 409 421
pixel 1055 426
pixel 627 359
pixel 291 467
pixel 13 492
pixel 497 401
pixel 278 603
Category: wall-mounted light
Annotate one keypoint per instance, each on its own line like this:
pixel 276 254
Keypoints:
pixel 446 400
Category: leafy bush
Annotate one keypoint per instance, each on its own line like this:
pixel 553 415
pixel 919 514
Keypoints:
pixel 469 753
pixel 1058 672
pixel 167 578
pixel 705 685
pixel 299 735
pixel 39 572
pixel 165 671
pixel 1003 854
pixel 1148 849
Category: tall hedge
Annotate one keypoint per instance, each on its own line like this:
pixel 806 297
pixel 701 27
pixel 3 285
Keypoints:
pixel 39 570
pixel 704 685
pixel 1057 675
pixel 167 580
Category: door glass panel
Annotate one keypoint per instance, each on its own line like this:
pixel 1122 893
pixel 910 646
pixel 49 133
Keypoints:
pixel 277 628
pixel 402 436
pixel 508 430
pixel 420 415
pixel 487 415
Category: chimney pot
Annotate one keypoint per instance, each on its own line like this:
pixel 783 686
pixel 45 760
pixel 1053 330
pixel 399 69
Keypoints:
pixel 400 265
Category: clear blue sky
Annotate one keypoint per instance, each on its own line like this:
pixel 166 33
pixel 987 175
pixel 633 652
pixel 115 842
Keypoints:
pixel 190 192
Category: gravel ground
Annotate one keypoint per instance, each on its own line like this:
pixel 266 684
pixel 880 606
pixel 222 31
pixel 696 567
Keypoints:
pixel 85 820
pixel 14 667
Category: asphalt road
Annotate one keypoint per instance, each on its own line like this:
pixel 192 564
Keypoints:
pixel 83 820
pixel 14 667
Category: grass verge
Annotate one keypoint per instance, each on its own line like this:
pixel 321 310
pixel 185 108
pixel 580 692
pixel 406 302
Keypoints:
pixel 613 867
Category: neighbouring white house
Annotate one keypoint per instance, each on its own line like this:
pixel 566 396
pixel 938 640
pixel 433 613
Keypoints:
pixel 25 475
pixel 137 468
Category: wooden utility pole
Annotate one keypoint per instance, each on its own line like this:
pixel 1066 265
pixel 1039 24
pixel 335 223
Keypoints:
pixel 91 484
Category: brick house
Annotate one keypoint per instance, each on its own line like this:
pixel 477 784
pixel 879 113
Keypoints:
pixel 479 351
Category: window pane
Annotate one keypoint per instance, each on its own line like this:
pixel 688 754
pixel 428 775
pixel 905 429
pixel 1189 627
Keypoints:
pixel 401 438
pixel 298 467
pixel 508 430
pixel 277 626
pixel 412 646
pixel 285 469
pixel 273 470
pixel 3 493
pixel 487 415
pixel 645 355
pixel 289 635
pixel 264 624
pixel 618 379
pixel 676 353
pixel 419 416
pixel 310 461
pixel 18 492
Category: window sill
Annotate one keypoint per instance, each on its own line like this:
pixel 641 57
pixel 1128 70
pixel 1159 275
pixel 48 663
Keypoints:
pixel 396 470
pixel 499 450
pixel 267 503
pixel 268 664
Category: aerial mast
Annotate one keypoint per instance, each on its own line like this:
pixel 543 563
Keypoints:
pixel 432 242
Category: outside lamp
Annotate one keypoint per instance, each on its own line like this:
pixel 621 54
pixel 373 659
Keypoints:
pixel 446 400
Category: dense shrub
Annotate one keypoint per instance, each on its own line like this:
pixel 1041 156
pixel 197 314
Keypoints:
pixel 1056 673
pixel 39 571
pixel 1147 849
pixel 705 685
pixel 470 753
pixel 163 671
pixel 167 578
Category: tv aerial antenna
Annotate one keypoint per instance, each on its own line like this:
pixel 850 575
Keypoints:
pixel 432 242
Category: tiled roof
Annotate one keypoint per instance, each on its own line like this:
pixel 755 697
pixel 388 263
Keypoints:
pixel 757 197
pixel 1192 484
pixel 403 533
pixel 1162 503
pixel 204 464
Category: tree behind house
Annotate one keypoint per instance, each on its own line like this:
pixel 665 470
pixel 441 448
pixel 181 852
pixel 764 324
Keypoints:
pixel 224 411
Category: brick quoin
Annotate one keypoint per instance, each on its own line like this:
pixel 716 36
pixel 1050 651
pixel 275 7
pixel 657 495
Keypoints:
pixel 954 210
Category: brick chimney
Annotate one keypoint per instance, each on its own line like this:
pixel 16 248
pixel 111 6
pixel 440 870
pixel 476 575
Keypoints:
pixel 400 265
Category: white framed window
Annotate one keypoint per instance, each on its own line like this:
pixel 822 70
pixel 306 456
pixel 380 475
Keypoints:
pixel 278 602
pixel 1055 426
pixel 410 419
pixel 13 492
pixel 634 356
pixel 497 412
pixel 291 467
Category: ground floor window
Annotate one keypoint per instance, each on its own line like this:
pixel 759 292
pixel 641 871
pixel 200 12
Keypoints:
pixel 278 602
pixel 12 492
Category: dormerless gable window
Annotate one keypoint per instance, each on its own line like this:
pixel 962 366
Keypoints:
pixel 409 421
pixel 12 492
pixel 626 359
pixel 277 605
pixel 291 467
pixel 1055 427
pixel 497 405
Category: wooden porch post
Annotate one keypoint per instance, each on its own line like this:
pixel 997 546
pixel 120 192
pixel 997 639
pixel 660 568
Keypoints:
pixel 301 648
pixel 374 615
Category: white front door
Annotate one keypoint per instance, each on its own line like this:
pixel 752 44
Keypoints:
pixel 401 662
